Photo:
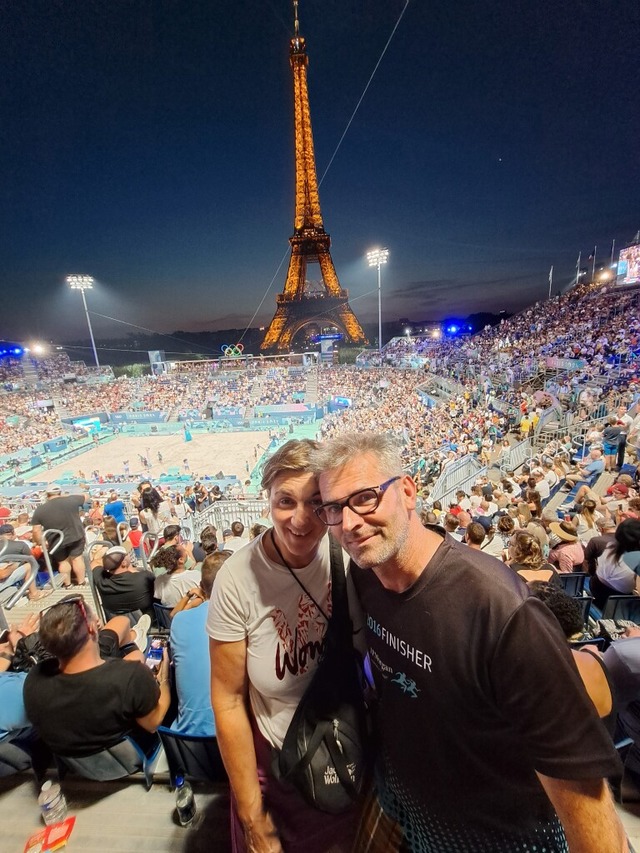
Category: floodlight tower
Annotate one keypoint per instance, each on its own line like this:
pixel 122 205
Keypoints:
pixel 82 283
pixel 376 258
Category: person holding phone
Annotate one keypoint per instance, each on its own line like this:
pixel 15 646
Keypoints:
pixel 87 698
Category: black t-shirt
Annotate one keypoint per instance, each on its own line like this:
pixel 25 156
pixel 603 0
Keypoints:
pixel 477 690
pixel 16 546
pixel 62 514
pixel 84 712
pixel 125 592
pixel 611 434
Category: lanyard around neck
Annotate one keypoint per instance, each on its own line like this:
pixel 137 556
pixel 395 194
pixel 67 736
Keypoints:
pixel 294 575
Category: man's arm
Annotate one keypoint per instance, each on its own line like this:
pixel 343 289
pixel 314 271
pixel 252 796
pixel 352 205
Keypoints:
pixel 587 814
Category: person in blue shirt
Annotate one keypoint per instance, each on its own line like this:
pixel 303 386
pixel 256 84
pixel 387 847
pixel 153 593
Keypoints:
pixel 190 654
pixel 593 464
pixel 115 508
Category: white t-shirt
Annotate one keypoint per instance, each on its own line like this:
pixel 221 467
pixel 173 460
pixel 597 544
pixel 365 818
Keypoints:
pixel 620 574
pixel 543 489
pixel 170 588
pixel 157 523
pixel 258 600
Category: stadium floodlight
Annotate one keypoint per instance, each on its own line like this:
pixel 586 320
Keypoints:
pixel 82 283
pixel 377 257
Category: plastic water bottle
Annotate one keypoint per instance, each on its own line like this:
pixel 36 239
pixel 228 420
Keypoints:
pixel 52 802
pixel 185 801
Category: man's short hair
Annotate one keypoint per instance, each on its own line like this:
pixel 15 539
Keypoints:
pixel 237 528
pixel 337 452
pixel 450 522
pixel 114 558
pixel 211 565
pixel 209 540
pixel 64 627
pixel 475 533
pixel 171 531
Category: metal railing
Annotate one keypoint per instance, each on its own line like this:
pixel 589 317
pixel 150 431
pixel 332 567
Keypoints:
pixel 222 513
pixel 6 558
pixel 458 475
pixel 517 456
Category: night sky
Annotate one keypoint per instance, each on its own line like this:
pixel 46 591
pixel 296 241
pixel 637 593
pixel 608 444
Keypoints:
pixel 149 143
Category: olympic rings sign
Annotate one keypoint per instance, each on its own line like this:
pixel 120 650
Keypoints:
pixel 232 350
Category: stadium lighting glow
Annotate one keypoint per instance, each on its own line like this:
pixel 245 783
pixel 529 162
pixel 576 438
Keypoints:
pixel 377 257
pixel 38 349
pixel 82 283
pixel 436 333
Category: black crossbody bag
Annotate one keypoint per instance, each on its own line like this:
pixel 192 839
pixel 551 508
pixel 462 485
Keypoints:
pixel 325 752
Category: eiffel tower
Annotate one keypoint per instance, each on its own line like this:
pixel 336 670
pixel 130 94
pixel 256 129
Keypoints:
pixel 301 305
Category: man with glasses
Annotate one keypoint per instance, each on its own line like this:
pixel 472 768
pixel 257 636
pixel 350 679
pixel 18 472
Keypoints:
pixel 472 752
pixel 87 697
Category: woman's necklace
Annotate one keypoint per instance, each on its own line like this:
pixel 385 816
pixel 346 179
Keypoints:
pixel 293 574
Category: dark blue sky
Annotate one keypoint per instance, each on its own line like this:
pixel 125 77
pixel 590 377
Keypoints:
pixel 149 143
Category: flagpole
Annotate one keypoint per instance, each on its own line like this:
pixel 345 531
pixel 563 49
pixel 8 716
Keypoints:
pixel 578 268
pixel 593 266
pixel 550 280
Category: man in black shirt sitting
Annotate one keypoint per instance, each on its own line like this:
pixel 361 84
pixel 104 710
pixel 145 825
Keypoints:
pixel 87 697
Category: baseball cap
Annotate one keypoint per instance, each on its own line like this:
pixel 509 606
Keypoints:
pixel 53 489
pixel 227 532
pixel 6 528
pixel 117 549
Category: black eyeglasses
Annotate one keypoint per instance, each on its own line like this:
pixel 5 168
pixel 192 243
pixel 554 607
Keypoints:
pixel 70 599
pixel 361 502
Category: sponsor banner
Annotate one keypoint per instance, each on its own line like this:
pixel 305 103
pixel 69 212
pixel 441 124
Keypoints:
pixel 555 363
pixel 138 417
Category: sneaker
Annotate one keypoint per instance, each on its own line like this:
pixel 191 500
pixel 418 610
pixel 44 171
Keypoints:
pixel 141 629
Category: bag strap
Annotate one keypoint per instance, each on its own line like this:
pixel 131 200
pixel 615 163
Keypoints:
pixel 294 575
pixel 339 601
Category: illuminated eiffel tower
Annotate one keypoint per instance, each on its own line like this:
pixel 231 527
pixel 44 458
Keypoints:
pixel 300 305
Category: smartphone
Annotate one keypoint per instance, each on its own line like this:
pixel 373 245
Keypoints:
pixel 154 653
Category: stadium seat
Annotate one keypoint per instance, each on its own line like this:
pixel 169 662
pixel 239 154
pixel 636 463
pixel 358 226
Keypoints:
pixel 191 756
pixel 573 584
pixel 162 615
pixel 625 607
pixel 123 759
pixel 585 602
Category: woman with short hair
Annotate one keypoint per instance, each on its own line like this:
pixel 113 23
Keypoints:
pixel 267 623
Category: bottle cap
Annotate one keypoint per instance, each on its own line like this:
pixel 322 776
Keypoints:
pixel 47 785
pixel 179 781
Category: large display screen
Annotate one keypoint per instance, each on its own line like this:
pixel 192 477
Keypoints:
pixel 629 265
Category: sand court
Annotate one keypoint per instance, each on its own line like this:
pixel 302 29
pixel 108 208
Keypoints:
pixel 207 454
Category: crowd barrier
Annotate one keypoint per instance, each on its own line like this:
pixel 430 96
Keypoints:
pixel 458 475
pixel 223 513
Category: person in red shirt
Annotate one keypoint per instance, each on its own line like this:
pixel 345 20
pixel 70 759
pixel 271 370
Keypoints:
pixel 135 536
